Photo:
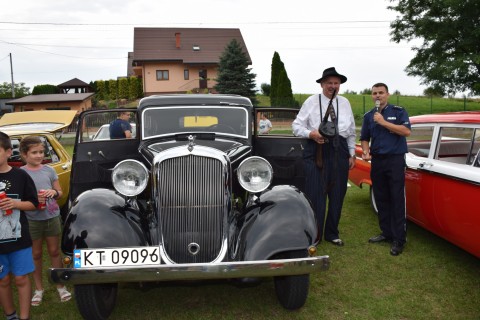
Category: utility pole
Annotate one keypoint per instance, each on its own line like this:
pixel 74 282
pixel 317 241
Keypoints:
pixel 11 70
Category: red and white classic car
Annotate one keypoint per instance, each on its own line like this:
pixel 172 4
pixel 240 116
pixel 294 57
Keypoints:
pixel 442 178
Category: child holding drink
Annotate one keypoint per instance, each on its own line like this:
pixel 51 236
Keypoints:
pixel 45 220
pixel 15 243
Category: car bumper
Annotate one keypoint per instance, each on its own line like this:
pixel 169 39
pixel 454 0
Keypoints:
pixel 197 271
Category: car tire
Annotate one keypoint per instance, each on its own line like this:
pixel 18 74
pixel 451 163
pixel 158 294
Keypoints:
pixel 373 202
pixel 96 301
pixel 292 291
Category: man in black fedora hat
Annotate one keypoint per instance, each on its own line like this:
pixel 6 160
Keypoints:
pixel 327 161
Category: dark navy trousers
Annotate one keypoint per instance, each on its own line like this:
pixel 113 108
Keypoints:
pixel 388 183
pixel 328 183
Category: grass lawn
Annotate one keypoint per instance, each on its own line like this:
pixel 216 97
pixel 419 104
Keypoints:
pixel 432 279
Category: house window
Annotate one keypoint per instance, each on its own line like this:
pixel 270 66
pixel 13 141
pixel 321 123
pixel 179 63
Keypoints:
pixel 186 74
pixel 162 74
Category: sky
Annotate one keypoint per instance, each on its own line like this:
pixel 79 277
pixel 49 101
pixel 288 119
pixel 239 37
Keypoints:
pixel 51 42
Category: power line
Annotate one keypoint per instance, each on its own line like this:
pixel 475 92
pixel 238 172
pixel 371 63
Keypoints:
pixel 192 23
pixel 62 55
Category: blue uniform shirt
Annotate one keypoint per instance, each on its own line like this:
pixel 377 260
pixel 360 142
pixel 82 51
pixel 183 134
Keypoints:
pixel 382 140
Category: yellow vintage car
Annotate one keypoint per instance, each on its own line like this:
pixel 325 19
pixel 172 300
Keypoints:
pixel 46 125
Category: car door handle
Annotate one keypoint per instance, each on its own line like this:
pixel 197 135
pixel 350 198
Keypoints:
pixel 425 165
pixel 291 150
pixel 65 167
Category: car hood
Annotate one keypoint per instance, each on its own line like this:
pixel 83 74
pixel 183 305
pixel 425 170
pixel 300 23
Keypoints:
pixel 34 121
pixel 232 148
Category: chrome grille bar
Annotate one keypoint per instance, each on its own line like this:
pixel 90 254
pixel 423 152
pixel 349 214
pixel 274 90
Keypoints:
pixel 191 207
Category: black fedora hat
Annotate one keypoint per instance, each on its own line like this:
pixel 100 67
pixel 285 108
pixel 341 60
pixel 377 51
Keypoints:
pixel 331 72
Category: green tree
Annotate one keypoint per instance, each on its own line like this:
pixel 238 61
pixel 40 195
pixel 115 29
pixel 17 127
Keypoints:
pixel 281 88
pixel 366 91
pixel 100 90
pixel 45 89
pixel 277 66
pixel 265 87
pixel 449 56
pixel 135 90
pixel 284 96
pixel 123 88
pixel 234 75
pixel 434 92
pixel 112 89
pixel 20 90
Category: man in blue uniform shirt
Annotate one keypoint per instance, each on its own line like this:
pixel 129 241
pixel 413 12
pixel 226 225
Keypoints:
pixel 386 127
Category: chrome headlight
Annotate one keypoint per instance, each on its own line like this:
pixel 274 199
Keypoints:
pixel 130 177
pixel 255 174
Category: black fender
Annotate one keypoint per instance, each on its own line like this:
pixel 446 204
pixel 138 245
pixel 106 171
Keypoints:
pixel 281 219
pixel 101 218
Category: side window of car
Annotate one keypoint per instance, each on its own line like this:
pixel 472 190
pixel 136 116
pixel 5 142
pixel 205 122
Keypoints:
pixel 51 155
pixel 457 145
pixel 277 122
pixel 96 126
pixel 476 149
pixel 420 140
pixel 15 158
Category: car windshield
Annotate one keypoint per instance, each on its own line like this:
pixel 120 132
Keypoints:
pixel 160 121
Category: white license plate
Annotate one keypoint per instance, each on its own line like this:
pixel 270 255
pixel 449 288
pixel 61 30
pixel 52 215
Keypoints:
pixel 116 257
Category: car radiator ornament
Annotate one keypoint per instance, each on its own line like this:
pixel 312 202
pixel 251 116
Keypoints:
pixel 191 142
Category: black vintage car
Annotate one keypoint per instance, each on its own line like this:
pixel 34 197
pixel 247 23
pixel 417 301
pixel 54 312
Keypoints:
pixel 196 194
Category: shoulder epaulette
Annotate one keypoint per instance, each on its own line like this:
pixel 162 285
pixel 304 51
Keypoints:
pixel 367 112
pixel 398 107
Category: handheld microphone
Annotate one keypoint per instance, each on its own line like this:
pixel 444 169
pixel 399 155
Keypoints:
pixel 377 105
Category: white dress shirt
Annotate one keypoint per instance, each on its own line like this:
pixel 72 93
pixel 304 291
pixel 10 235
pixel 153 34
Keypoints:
pixel 309 118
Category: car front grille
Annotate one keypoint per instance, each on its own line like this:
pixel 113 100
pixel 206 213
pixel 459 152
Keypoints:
pixel 191 207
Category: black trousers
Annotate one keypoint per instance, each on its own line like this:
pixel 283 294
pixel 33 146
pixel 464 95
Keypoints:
pixel 328 183
pixel 388 182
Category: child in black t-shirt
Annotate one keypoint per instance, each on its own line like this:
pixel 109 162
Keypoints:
pixel 15 242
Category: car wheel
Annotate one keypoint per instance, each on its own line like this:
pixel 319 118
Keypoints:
pixel 96 301
pixel 373 202
pixel 292 291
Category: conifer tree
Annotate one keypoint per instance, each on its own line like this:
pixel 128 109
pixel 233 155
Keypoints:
pixel 234 75
pixel 281 88
pixel 277 66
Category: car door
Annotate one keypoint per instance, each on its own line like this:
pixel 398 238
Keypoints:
pixel 456 184
pixel 279 146
pixel 93 160
pixel 418 183
pixel 448 184
pixel 58 158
